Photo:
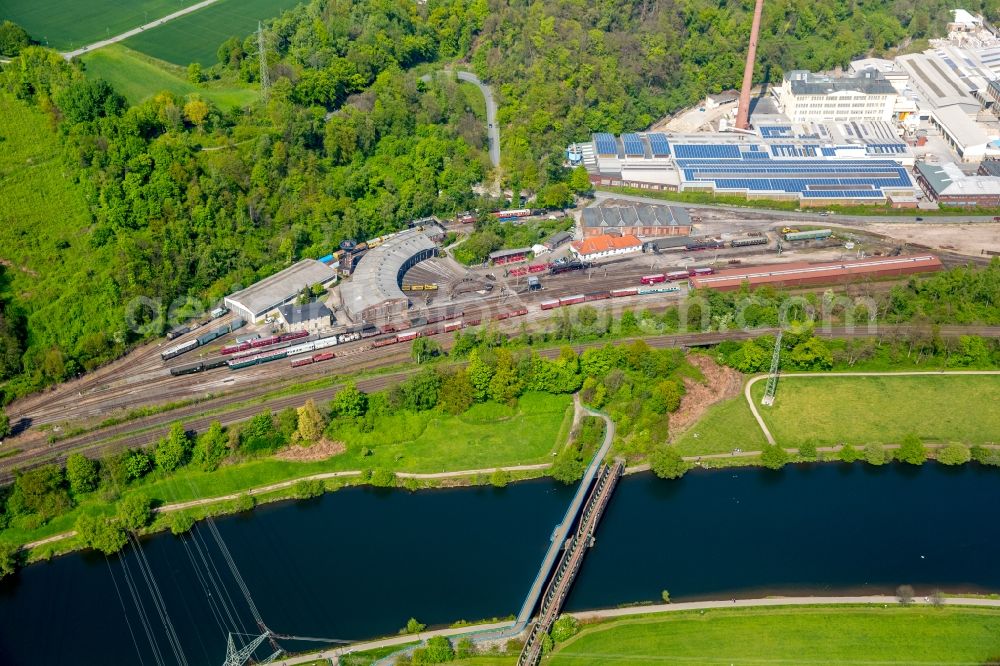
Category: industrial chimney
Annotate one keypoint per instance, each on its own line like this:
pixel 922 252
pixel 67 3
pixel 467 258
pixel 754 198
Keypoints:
pixel 743 111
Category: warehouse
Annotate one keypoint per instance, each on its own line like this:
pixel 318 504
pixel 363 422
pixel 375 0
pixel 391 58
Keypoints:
pixel 373 293
pixel 644 221
pixel 827 273
pixel 949 185
pixel 272 292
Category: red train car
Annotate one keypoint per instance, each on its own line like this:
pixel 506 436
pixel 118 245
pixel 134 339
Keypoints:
pixel 298 363
pixel 674 276
pixel 597 296
pixel 572 300
pixel 653 279
pixel 324 356
pixel 618 293
pixel 548 305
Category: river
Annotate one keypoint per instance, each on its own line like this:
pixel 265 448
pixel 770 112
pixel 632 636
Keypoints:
pixel 357 563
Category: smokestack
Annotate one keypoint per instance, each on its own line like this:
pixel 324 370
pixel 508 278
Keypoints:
pixel 743 111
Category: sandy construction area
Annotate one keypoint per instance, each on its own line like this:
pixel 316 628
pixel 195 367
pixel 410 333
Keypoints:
pixel 969 239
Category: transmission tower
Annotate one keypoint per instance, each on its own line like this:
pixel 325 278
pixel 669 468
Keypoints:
pixel 265 78
pixel 772 377
pixel 240 656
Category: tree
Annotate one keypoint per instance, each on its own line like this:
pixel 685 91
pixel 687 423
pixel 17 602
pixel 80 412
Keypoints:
pixel 210 447
pixel 135 511
pixel 456 394
pixel 180 522
pixel 349 402
pixel 954 453
pixel 259 434
pixel 84 101
pixel 875 454
pixel 565 628
pixel 10 555
pixel 812 354
pixel 579 181
pixel 773 456
pixel 912 451
pixel 499 478
pixel 311 422
pixel 904 593
pixel 307 488
pixel 665 595
pixel 666 396
pixel 4 423
pixel 505 385
pixel 848 453
pixel 667 463
pixel 413 626
pixel 438 651
pixel 103 534
pixel 985 456
pixel 937 598
pixel 173 451
pixel 383 478
pixel 196 111
pixel 480 375
pixel 425 349
pixel 13 38
pixel 40 491
pixel 749 358
pixel 137 464
pixel 194 73
pixel 82 473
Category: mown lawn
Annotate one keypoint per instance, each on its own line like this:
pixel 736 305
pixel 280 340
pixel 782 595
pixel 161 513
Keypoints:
pixel 817 635
pixel 487 436
pixel 69 24
pixel 726 425
pixel 859 410
pixel 138 76
pixel 196 37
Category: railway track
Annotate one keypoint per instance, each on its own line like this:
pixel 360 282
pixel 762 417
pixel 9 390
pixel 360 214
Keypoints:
pixel 147 430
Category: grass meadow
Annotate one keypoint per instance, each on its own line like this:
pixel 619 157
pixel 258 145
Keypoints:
pixel 70 24
pixel 861 410
pixel 138 76
pixel 197 36
pixel 725 426
pixel 828 635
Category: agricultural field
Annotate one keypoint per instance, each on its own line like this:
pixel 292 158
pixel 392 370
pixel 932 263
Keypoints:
pixel 860 410
pixel 68 24
pixel 138 76
pixel 829 635
pixel 197 36
pixel 726 425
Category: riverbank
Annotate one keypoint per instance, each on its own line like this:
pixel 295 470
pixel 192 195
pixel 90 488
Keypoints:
pixel 602 629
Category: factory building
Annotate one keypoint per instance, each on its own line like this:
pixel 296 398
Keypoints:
pixel 254 302
pixel 807 97
pixel 950 186
pixel 373 293
pixel 312 317
pixel 643 221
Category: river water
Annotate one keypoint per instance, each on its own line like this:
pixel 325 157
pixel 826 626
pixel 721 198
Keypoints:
pixel 357 563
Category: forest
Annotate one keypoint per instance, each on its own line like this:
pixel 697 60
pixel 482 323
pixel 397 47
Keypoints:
pixel 186 201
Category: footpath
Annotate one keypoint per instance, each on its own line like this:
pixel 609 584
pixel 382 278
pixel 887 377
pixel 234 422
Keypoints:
pixel 610 613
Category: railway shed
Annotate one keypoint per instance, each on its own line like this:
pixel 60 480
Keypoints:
pixel 825 273
pixel 272 292
pixel 312 317
pixel 373 292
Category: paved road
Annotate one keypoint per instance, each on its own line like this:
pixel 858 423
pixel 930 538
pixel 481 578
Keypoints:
pixel 832 219
pixel 492 129
pixel 791 375
pixel 69 55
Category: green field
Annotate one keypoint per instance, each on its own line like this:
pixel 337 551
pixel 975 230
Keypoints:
pixel 425 442
pixel 197 36
pixel 860 410
pixel 816 635
pixel 69 24
pixel 725 426
pixel 138 76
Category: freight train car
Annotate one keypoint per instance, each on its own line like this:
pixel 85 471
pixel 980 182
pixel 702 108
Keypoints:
pixel 747 242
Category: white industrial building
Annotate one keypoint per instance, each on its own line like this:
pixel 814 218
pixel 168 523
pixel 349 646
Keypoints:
pixel 257 300
pixel 808 97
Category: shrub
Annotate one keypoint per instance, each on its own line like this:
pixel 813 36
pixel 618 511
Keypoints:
pixel 875 454
pixel 565 628
pixel 180 522
pixel 307 488
pixel 667 463
pixel 10 555
pixel 848 453
pixel 244 502
pixel 912 451
pixel 383 478
pixel 413 626
pixel 808 449
pixel 954 454
pixel 773 456
pixel 500 478
pixel 107 536
pixel 135 511
pixel 904 593
pixel 985 456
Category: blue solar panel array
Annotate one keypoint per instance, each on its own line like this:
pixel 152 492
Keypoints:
pixel 776 132
pixel 886 148
pixel 633 146
pixel 755 155
pixel 792 150
pixel 848 179
pixel 703 151
pixel 659 145
pixel 606 144
pixel 829 152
